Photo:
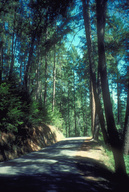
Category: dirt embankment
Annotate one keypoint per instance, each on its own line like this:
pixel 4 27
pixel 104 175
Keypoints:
pixel 27 140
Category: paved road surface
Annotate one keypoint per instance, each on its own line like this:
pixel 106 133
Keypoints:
pixel 54 169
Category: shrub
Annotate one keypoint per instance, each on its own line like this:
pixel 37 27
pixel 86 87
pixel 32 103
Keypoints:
pixel 54 117
pixel 10 109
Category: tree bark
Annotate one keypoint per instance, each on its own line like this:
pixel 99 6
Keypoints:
pixel 54 80
pixel 1 60
pixel 93 109
pixel 86 16
pixel 126 143
pixel 75 107
pixel 13 44
pixel 26 76
pixel 68 111
pixel 126 124
pixel 118 99
pixel 111 127
pixel 46 65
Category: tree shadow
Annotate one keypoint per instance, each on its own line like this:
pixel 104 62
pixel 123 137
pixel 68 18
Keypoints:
pixel 96 171
pixel 56 169
pixel 27 140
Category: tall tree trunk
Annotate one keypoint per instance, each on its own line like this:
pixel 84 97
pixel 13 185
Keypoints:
pixel 68 111
pixel 28 67
pixel 54 80
pixel 118 99
pixel 66 128
pixel 46 65
pixel 75 107
pixel 126 141
pixel 126 124
pixel 86 16
pixel 20 72
pixel 37 89
pixel 1 60
pixel 45 85
pixel 13 44
pixel 26 76
pixel 93 109
pixel 112 131
pixel 84 115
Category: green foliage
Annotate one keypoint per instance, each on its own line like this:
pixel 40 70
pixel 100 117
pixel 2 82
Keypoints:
pixel 126 158
pixel 111 159
pixel 54 117
pixel 16 110
pixel 10 109
pixel 34 113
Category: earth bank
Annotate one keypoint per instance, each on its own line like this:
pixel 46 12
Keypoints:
pixel 27 140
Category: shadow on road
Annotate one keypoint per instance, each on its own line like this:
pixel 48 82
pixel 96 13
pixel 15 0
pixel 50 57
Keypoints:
pixel 56 169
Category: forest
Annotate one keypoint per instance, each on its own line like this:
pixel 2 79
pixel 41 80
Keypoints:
pixel 66 63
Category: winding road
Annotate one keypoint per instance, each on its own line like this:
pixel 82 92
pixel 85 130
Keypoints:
pixel 55 169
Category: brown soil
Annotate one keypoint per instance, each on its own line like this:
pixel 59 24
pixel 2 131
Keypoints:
pixel 27 140
pixel 91 149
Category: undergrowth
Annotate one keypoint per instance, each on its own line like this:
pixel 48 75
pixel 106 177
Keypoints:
pixel 111 159
pixel 126 158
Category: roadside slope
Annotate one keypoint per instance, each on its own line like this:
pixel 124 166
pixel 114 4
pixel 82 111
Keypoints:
pixel 28 140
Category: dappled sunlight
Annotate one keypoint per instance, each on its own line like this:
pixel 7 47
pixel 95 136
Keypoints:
pixel 91 149
pixel 41 161
pixel 68 153
pixel 57 168
pixel 28 167
pixel 91 178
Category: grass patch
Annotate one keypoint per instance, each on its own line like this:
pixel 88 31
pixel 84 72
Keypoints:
pixel 111 159
pixel 126 158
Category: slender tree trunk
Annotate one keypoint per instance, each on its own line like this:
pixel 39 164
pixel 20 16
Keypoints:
pixel 112 131
pixel 84 116
pixel 1 60
pixel 96 131
pixel 46 66
pixel 126 143
pixel 66 128
pixel 37 90
pixel 45 85
pixel 99 111
pixel 118 99
pixel 54 80
pixel 21 72
pixel 75 107
pixel 86 16
pixel 126 124
pixel 93 110
pixel 28 67
pixel 26 76
pixel 68 111
pixel 13 44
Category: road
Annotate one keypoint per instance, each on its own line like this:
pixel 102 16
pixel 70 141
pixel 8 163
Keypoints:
pixel 54 169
